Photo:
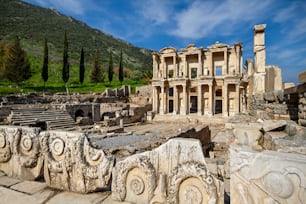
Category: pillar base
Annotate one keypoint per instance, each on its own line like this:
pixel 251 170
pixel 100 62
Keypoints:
pixel 225 115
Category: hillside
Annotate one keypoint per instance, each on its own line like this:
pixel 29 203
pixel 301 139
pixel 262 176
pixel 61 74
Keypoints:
pixel 33 24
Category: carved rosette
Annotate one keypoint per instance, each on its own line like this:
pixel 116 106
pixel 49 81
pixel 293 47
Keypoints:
pixel 5 147
pixel 137 185
pixel 28 147
pixel 71 164
pixel 192 193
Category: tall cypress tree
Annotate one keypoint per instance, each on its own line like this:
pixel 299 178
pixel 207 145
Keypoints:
pixel 121 76
pixel 97 75
pixel 110 68
pixel 44 72
pixel 65 72
pixel 17 65
pixel 82 67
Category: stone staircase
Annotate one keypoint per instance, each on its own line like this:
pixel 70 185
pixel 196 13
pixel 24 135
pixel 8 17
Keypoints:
pixel 53 119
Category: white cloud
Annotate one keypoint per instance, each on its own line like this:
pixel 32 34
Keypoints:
pixel 206 17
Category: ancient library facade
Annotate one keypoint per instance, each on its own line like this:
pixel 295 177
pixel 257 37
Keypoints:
pixel 203 81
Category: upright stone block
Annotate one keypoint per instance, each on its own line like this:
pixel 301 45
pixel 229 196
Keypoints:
pixel 175 172
pixel 302 77
pixel 259 48
pixel 20 152
pixel 71 164
pixel 267 177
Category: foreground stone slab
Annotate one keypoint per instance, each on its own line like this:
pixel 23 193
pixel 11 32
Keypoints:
pixel 20 152
pixel 29 187
pixel 11 196
pixel 71 164
pixel 70 197
pixel 267 177
pixel 175 172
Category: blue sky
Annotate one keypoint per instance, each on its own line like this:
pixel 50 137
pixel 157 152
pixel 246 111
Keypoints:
pixel 155 24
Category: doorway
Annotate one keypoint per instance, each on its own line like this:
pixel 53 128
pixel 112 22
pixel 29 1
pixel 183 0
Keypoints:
pixel 218 107
pixel 193 104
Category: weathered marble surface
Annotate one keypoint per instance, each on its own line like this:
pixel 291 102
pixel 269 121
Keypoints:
pixel 71 164
pixel 175 172
pixel 267 177
pixel 20 152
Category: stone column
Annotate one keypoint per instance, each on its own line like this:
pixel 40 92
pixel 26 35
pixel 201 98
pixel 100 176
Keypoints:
pixel 163 68
pixel 259 48
pixel 185 101
pixel 210 64
pixel 200 66
pixel 200 100
pixel 210 101
pixel 175 100
pixel 175 74
pixel 186 73
pixel 225 100
pixel 225 64
pixel 154 99
pixel 237 100
pixel 162 107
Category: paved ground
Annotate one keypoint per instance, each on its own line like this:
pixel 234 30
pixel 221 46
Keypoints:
pixel 14 191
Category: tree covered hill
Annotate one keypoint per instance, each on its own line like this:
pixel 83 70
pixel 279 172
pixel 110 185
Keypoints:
pixel 32 24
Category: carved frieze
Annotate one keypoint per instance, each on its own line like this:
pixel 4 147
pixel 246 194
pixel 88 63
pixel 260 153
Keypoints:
pixel 20 152
pixel 267 177
pixel 175 172
pixel 71 164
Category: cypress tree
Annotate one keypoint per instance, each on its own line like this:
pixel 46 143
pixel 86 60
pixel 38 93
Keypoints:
pixel 17 65
pixel 110 68
pixel 121 76
pixel 82 67
pixel 97 75
pixel 65 72
pixel 44 72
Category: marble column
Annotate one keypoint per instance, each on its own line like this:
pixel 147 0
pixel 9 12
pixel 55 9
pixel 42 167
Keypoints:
pixel 186 72
pixel 200 66
pixel 200 100
pixel 162 108
pixel 225 64
pixel 237 99
pixel 225 100
pixel 185 101
pixel 175 100
pixel 175 74
pixel 210 101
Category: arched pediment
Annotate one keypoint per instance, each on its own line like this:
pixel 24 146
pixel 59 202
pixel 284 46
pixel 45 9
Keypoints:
pixel 168 50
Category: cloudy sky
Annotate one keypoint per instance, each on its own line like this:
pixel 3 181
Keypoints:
pixel 155 24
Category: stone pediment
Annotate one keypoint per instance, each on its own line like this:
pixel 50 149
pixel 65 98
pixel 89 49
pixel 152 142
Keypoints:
pixel 168 50
pixel 218 45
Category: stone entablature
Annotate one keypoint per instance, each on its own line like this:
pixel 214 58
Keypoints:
pixel 197 80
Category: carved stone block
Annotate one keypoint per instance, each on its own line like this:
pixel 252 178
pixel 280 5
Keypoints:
pixel 175 172
pixel 20 152
pixel 71 164
pixel 267 177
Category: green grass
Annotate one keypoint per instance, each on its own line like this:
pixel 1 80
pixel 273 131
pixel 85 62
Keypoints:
pixel 55 83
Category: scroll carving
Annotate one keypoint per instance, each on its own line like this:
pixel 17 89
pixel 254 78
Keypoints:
pixel 267 177
pixel 72 164
pixel 20 152
pixel 182 176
